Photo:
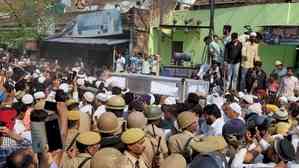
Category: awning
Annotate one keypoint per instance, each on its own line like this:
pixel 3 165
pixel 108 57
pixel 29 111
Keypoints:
pixel 96 41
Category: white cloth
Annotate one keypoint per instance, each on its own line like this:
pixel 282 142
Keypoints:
pixel 236 108
pixel 216 128
pixel 295 141
pixel 239 158
pixel 146 67
pixel 155 66
pixel 27 99
pixel 264 144
pixel 288 85
pixel 20 129
pixel 89 96
pixel 102 97
pixel 100 110
pixel 39 95
pixel 120 64
pixel 85 108
pixel 256 108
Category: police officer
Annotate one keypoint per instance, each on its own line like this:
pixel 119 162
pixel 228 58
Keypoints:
pixel 73 129
pixel 85 121
pixel 134 139
pixel 188 124
pixel 116 105
pixel 174 160
pixel 153 115
pixel 87 145
pixel 110 128
pixel 151 153
pixel 107 158
pixel 72 134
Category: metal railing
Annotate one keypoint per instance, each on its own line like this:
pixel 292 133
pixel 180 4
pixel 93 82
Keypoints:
pixel 168 86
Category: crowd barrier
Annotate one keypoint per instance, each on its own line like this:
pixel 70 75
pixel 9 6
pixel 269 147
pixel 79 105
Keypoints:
pixel 168 86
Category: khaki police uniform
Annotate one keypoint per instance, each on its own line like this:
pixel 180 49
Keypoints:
pixel 178 142
pixel 85 122
pixel 107 158
pixel 174 160
pixel 132 162
pixel 156 132
pixel 75 163
pixel 72 135
pixel 83 160
pixel 131 137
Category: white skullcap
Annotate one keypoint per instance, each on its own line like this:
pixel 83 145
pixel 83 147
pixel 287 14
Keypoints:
pixel 35 75
pixel 256 108
pixel 292 99
pixel 283 100
pixel 91 79
pixel 27 99
pixel 170 101
pixel 241 94
pixel 65 87
pixel 125 91
pixel 41 79
pixel 253 34
pixel 81 75
pixel 236 108
pixel 80 82
pixel 39 95
pixel 89 97
pixel 248 98
pixel 103 97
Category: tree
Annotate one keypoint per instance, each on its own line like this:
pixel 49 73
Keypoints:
pixel 32 19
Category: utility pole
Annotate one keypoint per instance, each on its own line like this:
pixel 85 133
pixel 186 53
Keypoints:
pixel 158 12
pixel 212 25
pixel 131 22
pixel 212 14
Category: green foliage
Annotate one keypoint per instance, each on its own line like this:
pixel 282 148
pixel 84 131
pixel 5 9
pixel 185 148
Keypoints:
pixel 33 19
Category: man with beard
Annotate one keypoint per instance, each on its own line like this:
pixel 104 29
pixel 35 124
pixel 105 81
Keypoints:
pixel 214 120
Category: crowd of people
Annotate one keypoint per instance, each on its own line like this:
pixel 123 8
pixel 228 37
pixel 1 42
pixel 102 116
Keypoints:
pixel 54 116
pixel 236 65
pixel 138 63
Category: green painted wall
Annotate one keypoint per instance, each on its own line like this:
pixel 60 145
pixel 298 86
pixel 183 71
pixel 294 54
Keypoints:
pixel 255 15
pixel 270 53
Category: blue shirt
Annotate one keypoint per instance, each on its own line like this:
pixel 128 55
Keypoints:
pixel 280 73
pixel 5 151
